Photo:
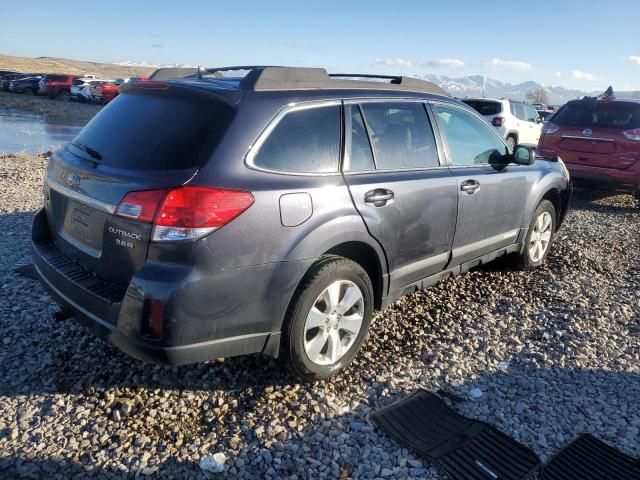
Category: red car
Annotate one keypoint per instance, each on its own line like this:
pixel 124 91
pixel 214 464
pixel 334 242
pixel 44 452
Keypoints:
pixel 56 86
pixel 110 90
pixel 599 141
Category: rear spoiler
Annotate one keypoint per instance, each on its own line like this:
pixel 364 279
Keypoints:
pixel 168 73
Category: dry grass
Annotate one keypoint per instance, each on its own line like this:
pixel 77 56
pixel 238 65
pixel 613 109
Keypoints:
pixel 71 67
pixel 67 113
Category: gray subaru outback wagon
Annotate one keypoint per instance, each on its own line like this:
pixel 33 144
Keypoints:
pixel 206 213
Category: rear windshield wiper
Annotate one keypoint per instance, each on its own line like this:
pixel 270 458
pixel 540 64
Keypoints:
pixel 93 153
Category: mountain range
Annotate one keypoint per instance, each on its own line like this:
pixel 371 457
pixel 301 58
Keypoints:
pixel 479 86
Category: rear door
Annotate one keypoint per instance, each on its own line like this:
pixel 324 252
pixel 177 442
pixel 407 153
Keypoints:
pixel 142 141
pixel 491 197
pixel 532 126
pixel 407 199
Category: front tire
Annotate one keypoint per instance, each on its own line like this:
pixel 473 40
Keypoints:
pixel 328 319
pixel 539 237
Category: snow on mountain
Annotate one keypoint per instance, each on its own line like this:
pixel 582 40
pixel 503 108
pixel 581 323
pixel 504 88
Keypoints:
pixel 128 63
pixel 478 85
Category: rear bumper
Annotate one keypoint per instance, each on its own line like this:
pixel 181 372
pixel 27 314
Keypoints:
pixel 204 318
pixel 627 180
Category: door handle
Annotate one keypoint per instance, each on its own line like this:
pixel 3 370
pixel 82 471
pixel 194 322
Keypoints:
pixel 378 197
pixel 470 186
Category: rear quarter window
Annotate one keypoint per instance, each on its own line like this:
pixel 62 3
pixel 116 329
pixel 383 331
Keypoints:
pixel 156 131
pixel 303 141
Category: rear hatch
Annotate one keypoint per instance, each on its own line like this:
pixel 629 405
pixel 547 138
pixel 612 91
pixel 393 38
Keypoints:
pixel 146 139
pixel 595 133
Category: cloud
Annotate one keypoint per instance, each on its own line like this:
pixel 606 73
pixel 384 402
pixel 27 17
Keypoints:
pixel 499 64
pixel 634 58
pixel 157 45
pixel 577 74
pixel 393 62
pixel 444 62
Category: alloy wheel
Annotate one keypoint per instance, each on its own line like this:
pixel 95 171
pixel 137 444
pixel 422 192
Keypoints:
pixel 540 237
pixel 333 323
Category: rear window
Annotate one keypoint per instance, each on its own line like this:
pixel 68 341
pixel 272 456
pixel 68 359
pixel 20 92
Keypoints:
pixel 150 131
pixel 484 107
pixel 625 116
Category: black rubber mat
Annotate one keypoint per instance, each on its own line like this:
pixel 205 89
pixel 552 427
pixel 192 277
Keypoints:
pixel 588 458
pixel 466 449
pixel 27 271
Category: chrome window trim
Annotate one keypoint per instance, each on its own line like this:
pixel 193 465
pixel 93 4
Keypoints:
pixel 81 197
pixel 599 139
pixel 291 107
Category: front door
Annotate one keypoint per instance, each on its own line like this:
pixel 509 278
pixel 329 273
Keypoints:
pixel 406 198
pixel 491 195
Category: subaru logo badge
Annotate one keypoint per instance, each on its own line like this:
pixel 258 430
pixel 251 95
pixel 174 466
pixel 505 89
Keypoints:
pixel 72 180
pixel 587 132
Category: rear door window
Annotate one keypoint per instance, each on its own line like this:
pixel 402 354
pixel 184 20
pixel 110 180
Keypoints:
pixel 360 154
pixel 304 141
pixel 518 111
pixel 625 116
pixel 532 115
pixel 155 131
pixel 485 107
pixel 401 135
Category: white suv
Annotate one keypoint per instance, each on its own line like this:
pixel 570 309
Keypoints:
pixel 517 122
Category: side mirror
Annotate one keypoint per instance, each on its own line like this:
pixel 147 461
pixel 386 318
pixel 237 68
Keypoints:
pixel 539 120
pixel 524 155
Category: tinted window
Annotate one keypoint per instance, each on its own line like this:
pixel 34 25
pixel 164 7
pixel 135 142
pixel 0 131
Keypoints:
pixel 485 107
pixel 470 141
pixel 401 135
pixel 154 131
pixel 360 156
pixel 304 141
pixel 532 115
pixel 625 116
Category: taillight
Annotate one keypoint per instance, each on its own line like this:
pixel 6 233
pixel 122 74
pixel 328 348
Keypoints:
pixel 497 121
pixel 150 84
pixel 549 128
pixel 141 206
pixel 184 213
pixel 632 134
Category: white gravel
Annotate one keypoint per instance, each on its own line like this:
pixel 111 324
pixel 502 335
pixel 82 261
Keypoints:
pixel 554 353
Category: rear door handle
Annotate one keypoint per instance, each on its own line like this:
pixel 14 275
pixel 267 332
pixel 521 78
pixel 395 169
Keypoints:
pixel 470 186
pixel 378 197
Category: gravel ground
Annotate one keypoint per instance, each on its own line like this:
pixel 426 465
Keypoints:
pixel 555 353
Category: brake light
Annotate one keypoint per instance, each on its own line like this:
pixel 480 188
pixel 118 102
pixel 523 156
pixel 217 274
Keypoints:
pixel 549 128
pixel 151 84
pixel 497 121
pixel 184 213
pixel 632 134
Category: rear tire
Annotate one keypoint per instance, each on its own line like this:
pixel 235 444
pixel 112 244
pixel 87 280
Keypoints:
pixel 539 237
pixel 511 141
pixel 328 319
pixel 64 96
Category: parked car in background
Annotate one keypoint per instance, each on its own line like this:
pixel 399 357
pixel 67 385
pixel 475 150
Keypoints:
pixel 86 90
pixel 517 122
pixel 599 141
pixel 27 85
pixel 56 86
pixel 110 90
pixel 545 115
pixel 6 79
pixel 147 234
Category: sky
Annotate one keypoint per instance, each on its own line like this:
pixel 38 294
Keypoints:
pixel 585 45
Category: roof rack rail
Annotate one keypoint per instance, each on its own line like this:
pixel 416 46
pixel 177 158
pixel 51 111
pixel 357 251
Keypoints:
pixel 275 78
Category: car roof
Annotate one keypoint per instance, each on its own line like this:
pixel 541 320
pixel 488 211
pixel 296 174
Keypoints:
pixel 294 79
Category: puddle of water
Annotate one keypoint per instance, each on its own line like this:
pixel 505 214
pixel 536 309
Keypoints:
pixel 24 132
